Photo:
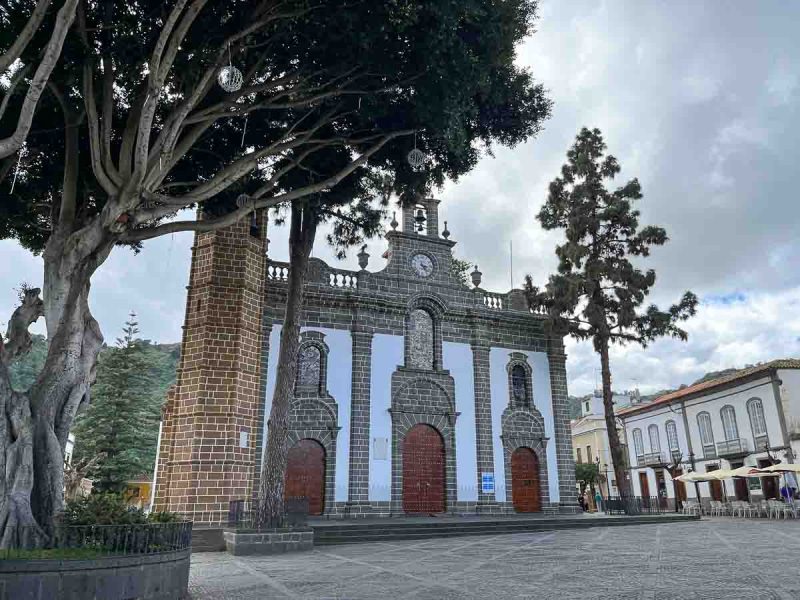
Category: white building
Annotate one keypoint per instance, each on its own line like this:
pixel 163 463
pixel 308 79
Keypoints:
pixel 590 436
pixel 748 418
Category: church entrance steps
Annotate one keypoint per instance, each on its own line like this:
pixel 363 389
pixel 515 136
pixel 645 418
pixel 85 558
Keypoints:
pixel 418 528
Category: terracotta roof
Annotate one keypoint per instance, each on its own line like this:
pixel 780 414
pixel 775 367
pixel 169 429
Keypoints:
pixel 783 363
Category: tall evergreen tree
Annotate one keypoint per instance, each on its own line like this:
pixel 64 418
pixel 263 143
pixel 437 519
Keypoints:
pixel 121 421
pixel 597 293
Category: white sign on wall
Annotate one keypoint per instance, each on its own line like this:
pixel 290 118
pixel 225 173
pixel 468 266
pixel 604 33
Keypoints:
pixel 380 448
pixel 243 439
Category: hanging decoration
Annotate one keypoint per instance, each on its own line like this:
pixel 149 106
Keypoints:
pixel 416 158
pixel 16 171
pixel 244 129
pixel 230 78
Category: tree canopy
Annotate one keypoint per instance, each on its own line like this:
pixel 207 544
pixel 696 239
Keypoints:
pixel 136 88
pixel 598 289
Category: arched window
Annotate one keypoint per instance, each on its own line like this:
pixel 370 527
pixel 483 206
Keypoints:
pixel 519 385
pixel 729 427
pixel 655 442
pixel 756 411
pixel 420 332
pixel 706 434
pixel 638 444
pixel 309 366
pixel 672 436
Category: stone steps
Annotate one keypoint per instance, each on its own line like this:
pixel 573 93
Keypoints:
pixel 350 533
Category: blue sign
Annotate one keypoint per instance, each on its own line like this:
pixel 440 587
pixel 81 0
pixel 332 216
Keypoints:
pixel 487 483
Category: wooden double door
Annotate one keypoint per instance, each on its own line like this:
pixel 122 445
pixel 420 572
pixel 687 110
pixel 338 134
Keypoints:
pixel 525 490
pixel 423 470
pixel 305 474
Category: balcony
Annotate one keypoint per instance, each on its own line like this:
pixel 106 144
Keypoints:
pixel 652 459
pixel 761 441
pixel 709 451
pixel 736 447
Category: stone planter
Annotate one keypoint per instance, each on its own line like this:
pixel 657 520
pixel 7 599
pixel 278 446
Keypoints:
pixel 274 541
pixel 162 576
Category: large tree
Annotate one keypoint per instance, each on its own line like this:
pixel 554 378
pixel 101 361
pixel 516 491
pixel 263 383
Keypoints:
pixel 134 128
pixel 598 290
pixel 29 37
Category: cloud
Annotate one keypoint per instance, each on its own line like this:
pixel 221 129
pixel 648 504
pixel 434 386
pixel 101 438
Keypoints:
pixel 696 100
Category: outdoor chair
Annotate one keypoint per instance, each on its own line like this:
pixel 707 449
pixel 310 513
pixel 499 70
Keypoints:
pixel 763 509
pixel 692 508
pixel 738 508
pixel 778 508
pixel 718 509
pixel 752 510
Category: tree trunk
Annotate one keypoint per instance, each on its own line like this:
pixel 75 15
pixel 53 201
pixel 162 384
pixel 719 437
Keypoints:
pixel 35 424
pixel 273 471
pixel 617 452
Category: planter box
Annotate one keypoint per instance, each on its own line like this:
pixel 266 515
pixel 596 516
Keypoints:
pixel 163 576
pixel 241 542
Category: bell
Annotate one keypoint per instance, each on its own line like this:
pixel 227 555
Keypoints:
pixel 420 219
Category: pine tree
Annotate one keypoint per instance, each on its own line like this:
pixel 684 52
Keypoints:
pixel 597 291
pixel 122 419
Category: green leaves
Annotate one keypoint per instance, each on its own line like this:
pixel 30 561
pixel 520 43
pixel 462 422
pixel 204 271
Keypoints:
pixel 598 291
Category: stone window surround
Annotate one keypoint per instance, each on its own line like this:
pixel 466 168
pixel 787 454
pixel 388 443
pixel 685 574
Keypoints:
pixel 317 340
pixel 436 309
pixel 518 359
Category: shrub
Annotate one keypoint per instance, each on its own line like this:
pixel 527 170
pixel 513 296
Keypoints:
pixel 101 509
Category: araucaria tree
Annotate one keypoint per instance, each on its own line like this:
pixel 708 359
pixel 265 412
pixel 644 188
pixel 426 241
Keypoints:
pixel 598 292
pixel 121 423
pixel 157 107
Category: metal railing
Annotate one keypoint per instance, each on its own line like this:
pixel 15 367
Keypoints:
pixel 709 451
pixel 632 505
pixel 737 446
pixel 97 541
pixel 654 459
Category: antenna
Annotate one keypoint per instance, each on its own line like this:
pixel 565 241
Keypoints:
pixel 511 262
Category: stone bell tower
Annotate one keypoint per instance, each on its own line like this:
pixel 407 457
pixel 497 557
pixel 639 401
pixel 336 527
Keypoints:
pixel 209 443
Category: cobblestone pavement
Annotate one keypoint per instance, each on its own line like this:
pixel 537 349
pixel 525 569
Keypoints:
pixel 707 560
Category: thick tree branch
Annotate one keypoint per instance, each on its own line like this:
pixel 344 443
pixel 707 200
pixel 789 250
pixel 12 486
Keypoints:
pixel 52 52
pixel 137 235
pixel 25 36
pixel 18 340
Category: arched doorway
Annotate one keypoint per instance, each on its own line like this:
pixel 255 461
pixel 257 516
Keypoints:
pixel 423 470
pixel 305 474
pixel 525 493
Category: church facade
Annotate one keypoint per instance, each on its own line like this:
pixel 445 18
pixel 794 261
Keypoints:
pixel 415 393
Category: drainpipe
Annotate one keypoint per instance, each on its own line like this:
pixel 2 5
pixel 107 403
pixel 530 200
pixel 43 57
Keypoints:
pixel 776 389
pixel 691 451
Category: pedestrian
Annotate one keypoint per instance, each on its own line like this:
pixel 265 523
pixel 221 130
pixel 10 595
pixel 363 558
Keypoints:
pixel 598 500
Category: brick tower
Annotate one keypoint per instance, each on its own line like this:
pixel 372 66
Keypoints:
pixel 208 449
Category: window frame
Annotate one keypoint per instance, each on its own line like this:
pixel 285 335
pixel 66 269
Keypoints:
pixel 729 410
pixel 654 448
pixel 638 442
pixel 672 433
pixel 756 402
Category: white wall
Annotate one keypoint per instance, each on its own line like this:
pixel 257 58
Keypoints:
pixel 387 354
pixel 457 358
pixel 542 399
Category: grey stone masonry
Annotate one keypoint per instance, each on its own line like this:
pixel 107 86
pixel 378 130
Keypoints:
pixel 359 417
pixel 483 421
pixel 418 276
pixel 558 390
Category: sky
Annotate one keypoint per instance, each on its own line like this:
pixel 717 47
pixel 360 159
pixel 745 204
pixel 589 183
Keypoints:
pixel 699 100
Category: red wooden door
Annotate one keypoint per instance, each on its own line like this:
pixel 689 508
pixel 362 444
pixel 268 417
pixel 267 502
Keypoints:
pixel 525 493
pixel 644 486
pixel 305 474
pixel 423 471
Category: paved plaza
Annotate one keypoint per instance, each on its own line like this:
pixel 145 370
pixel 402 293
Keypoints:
pixel 707 560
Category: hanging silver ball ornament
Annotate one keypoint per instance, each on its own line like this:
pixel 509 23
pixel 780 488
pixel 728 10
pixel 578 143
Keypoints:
pixel 242 200
pixel 416 158
pixel 230 79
